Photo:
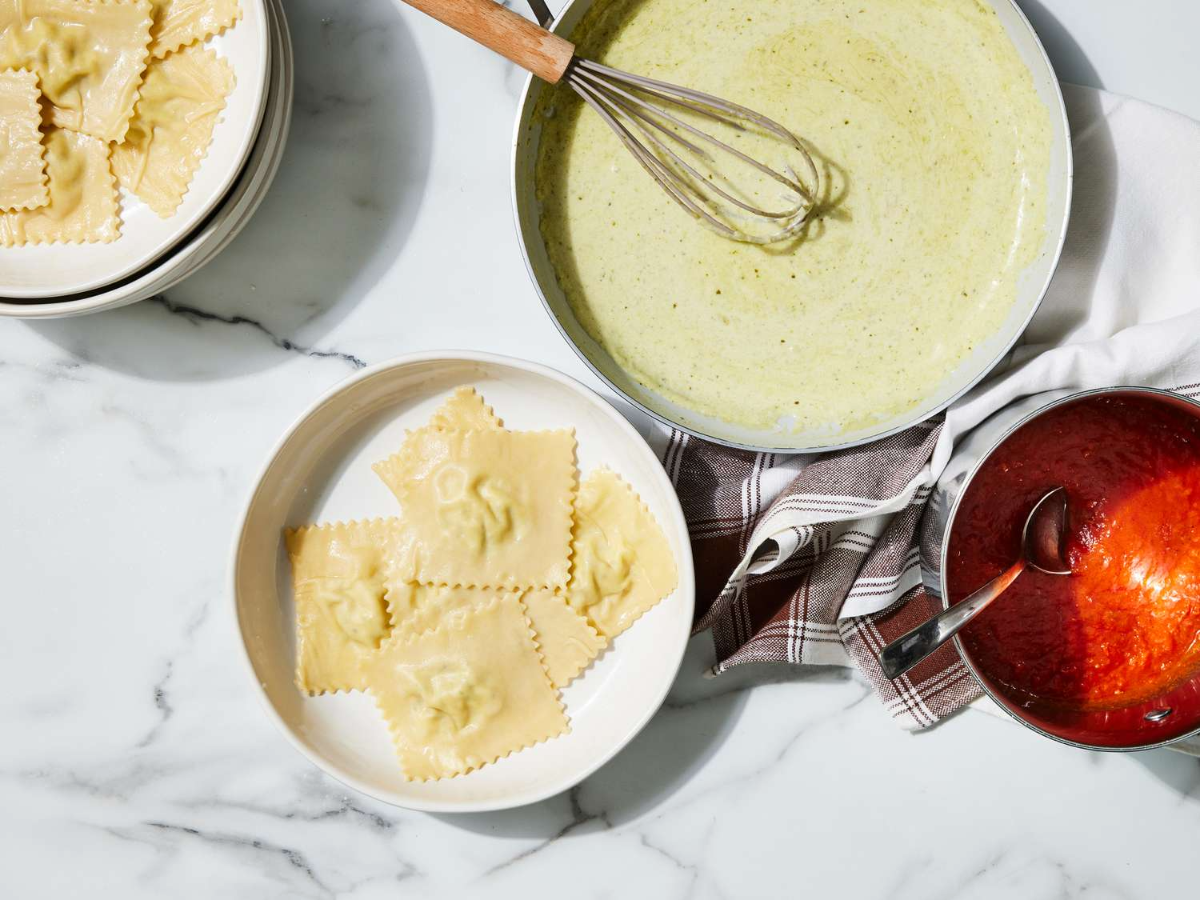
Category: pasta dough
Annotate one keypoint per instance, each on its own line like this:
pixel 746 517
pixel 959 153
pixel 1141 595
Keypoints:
pixel 83 199
pixel 339 575
pixel 466 694
pixel 622 563
pixel 422 607
pixel 22 163
pixel 179 104
pixel 178 23
pixel 88 54
pixel 465 410
pixel 567 641
pixel 486 508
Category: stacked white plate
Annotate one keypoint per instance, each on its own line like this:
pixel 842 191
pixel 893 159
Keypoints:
pixel 154 254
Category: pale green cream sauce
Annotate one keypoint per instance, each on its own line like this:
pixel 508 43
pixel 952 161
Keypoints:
pixel 934 148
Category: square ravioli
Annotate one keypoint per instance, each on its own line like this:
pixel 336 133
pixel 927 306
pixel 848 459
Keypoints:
pixel 621 563
pixel 178 23
pixel 178 106
pixel 339 581
pixel 466 694
pixel 465 410
pixel 487 508
pixel 22 162
pixel 83 198
pixel 89 56
pixel 565 638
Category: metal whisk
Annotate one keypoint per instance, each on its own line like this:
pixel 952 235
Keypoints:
pixel 651 118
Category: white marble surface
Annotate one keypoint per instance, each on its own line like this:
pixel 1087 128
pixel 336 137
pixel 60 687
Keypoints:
pixel 134 762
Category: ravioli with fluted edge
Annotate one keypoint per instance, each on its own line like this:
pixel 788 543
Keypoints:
pixel 568 641
pixel 22 160
pixel 464 411
pixel 488 507
pixel 339 575
pixel 622 564
pixel 178 23
pixel 89 58
pixel 565 637
pixel 178 107
pixel 83 197
pixel 465 694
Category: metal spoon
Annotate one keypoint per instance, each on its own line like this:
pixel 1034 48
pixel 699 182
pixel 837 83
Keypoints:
pixel 1042 541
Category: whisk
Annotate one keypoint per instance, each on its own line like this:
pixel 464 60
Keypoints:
pixel 650 117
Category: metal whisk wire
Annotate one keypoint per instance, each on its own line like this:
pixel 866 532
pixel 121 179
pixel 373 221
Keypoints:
pixel 645 128
pixel 638 109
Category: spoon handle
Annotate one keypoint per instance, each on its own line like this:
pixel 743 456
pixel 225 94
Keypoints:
pixel 906 651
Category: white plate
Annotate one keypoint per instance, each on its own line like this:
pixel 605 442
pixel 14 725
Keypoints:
pixel 214 234
pixel 321 471
pixel 54 270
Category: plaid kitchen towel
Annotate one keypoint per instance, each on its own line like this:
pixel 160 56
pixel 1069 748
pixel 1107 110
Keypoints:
pixel 824 560
pixel 815 560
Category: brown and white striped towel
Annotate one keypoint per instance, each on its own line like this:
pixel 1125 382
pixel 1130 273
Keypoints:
pixel 814 560
pixel 818 560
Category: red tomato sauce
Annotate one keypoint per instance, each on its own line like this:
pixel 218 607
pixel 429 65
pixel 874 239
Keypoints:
pixel 1125 625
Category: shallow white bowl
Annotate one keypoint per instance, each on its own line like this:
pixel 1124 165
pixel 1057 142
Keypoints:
pixel 55 270
pixel 321 471
pixel 221 225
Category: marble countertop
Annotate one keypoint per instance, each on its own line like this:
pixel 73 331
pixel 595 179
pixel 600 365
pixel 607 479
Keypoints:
pixel 134 760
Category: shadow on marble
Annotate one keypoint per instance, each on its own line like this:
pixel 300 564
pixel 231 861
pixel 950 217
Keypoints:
pixel 1093 202
pixel 344 201
pixel 697 717
pixel 1178 771
pixel 1070 62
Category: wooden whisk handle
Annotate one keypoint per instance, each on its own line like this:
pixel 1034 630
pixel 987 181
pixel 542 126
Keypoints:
pixel 531 47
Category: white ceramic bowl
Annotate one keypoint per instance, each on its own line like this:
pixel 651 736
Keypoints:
pixel 321 471
pixel 56 270
pixel 221 225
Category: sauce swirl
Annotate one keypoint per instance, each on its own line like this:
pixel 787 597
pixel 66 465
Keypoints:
pixel 934 149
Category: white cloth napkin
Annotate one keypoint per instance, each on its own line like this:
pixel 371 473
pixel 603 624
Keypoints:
pixel 1124 306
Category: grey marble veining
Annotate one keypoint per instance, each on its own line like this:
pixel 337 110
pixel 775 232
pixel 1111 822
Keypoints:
pixel 134 761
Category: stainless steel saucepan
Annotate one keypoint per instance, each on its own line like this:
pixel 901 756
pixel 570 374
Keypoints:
pixel 1171 716
pixel 1031 288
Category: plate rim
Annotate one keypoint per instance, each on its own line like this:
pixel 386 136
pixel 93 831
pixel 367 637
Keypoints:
pixel 686 587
